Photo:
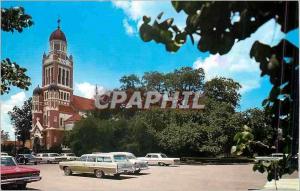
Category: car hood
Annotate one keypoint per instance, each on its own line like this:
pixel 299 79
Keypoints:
pixel 17 169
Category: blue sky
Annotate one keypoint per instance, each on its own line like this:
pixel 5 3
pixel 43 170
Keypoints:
pixel 103 39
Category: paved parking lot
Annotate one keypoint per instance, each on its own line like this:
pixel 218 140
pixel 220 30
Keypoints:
pixel 184 177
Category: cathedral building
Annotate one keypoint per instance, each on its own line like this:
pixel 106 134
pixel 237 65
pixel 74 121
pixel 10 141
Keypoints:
pixel 55 108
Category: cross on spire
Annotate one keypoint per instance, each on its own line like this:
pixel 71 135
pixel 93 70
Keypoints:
pixel 58 22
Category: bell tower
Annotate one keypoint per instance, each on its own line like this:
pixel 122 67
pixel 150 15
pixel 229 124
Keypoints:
pixel 58 69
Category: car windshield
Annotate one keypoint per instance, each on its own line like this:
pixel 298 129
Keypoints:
pixel 131 156
pixel 119 158
pixel 8 161
pixel 163 156
pixel 54 155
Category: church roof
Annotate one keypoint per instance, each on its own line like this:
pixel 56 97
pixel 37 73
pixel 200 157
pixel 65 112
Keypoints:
pixel 83 104
pixel 58 35
pixel 37 91
pixel 65 109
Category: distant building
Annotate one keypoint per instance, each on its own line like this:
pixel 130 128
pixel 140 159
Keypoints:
pixel 55 108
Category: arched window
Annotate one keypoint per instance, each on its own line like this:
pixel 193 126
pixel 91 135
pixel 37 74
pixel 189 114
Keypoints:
pixel 63 77
pixel 67 78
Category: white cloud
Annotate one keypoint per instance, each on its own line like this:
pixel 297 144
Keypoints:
pixel 237 63
pixel 128 28
pixel 135 10
pixel 87 90
pixel 6 106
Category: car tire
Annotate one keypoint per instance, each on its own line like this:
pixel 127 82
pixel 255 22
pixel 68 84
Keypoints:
pixel 35 163
pixel 21 186
pixel 137 171
pixel 161 164
pixel 67 171
pixel 99 174
pixel 117 176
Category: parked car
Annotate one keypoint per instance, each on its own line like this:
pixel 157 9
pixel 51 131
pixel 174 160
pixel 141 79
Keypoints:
pixel 69 156
pixel 160 159
pixel 98 164
pixel 4 154
pixel 27 158
pixel 14 175
pixel 138 164
pixel 50 157
pixel 272 157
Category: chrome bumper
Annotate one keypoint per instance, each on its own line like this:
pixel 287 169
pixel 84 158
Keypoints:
pixel 141 168
pixel 21 179
pixel 124 170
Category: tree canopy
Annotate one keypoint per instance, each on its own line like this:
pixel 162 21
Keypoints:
pixel 21 118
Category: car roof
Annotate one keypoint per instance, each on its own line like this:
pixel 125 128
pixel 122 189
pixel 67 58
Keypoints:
pixel 121 153
pixel 98 154
pixel 2 156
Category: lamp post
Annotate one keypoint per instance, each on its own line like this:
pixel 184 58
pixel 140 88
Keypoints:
pixel 15 142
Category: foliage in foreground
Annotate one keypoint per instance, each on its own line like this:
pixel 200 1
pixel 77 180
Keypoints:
pixel 217 34
pixel 12 74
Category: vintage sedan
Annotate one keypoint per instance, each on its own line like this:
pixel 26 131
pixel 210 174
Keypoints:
pixel 137 164
pixel 27 158
pixel 160 159
pixel 14 175
pixel 50 157
pixel 272 157
pixel 98 164
pixel 69 156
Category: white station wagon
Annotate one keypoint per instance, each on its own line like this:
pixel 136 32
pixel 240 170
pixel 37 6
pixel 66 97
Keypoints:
pixel 160 159
pixel 50 157
pixel 138 164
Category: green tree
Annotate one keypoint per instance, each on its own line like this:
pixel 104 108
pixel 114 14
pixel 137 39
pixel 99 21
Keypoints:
pixel 130 82
pixel 218 34
pixel 4 136
pixel 185 140
pixel 223 124
pixel 14 19
pixel 190 79
pixel 259 122
pixel 21 118
pixel 154 81
pixel 84 138
pixel 223 90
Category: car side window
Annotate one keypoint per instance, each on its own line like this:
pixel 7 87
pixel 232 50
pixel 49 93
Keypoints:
pixel 91 159
pixel 99 159
pixel 83 158
pixel 154 156
pixel 45 155
pixel 107 159
pixel 148 156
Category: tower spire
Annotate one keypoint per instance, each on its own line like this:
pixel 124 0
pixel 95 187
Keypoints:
pixel 58 23
pixel 96 90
